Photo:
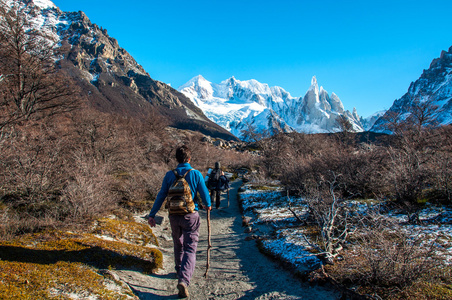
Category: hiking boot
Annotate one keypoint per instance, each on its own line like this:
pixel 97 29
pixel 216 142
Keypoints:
pixel 183 290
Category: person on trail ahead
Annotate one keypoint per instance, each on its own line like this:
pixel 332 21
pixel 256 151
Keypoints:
pixel 214 181
pixel 179 187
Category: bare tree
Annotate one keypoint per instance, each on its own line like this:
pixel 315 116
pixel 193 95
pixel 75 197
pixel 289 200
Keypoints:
pixel 330 218
pixel 344 124
pixel 422 114
pixel 442 163
pixel 251 134
pixel 412 151
pixel 30 82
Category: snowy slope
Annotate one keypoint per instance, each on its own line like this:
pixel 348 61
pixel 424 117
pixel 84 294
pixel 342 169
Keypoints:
pixel 43 4
pixel 235 104
pixel 42 15
pixel 369 122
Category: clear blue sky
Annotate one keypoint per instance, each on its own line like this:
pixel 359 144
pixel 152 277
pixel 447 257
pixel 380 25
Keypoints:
pixel 367 52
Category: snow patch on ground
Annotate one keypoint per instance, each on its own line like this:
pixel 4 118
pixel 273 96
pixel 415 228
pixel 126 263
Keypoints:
pixel 270 208
pixel 291 247
pixel 267 213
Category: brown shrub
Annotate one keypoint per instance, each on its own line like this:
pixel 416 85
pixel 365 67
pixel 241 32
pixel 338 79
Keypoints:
pixel 385 258
pixel 87 193
pixel 71 169
pixel 310 160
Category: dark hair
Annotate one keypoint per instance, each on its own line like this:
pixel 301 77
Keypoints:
pixel 183 154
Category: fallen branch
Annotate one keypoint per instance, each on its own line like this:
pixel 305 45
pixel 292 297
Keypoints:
pixel 303 222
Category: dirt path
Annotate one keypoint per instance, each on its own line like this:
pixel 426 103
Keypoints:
pixel 237 269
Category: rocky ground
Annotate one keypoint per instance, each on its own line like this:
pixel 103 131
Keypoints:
pixel 237 269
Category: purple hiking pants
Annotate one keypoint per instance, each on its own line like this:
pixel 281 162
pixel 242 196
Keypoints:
pixel 185 231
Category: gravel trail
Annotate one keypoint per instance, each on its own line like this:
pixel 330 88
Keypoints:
pixel 237 269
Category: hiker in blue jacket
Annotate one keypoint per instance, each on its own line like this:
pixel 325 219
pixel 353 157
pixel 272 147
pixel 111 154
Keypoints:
pixel 185 228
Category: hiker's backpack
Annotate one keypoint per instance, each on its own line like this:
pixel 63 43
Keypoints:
pixel 223 183
pixel 179 198
pixel 214 179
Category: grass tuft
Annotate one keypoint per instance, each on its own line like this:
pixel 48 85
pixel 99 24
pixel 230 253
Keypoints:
pixel 132 232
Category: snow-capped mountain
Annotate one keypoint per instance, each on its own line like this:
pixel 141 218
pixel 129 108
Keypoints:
pixel 109 77
pixel 235 104
pixel 434 85
pixel 368 122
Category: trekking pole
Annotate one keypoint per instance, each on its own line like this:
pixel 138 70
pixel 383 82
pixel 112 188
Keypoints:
pixel 228 197
pixel 209 245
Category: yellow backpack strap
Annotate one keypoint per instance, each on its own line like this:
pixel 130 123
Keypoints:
pixel 187 173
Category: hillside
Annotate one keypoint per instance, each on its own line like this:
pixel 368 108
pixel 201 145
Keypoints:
pixel 108 76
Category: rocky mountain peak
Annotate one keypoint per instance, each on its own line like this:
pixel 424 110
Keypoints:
pixel 314 83
pixel 434 85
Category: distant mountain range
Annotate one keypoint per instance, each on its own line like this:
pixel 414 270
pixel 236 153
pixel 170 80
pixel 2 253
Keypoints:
pixel 108 75
pixel 235 105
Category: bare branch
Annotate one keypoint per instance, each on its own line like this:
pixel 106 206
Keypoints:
pixel 31 85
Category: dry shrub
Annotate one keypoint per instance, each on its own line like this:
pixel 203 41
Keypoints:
pixel 385 259
pixel 32 174
pixel 236 160
pixel 68 170
pixel 87 193
pixel 310 160
pixel 32 160
pixel 402 167
pixel 130 153
pixel 137 190
pixel 9 223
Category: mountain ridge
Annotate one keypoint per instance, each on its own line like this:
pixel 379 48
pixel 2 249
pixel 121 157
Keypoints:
pixel 434 85
pixel 236 104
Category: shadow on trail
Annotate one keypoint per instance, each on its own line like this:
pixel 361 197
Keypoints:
pixel 151 294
